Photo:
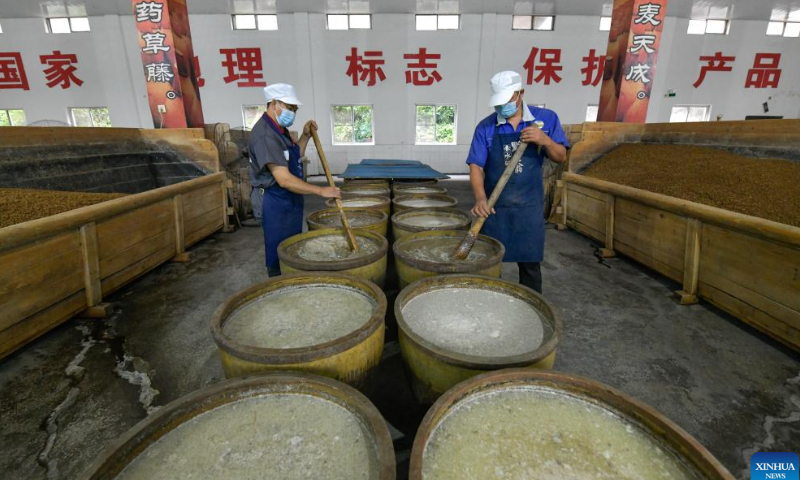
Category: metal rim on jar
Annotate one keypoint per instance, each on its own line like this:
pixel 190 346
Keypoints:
pixel 335 265
pixel 449 267
pixel 367 191
pixel 315 218
pixel 420 181
pixel 480 282
pixel 669 434
pixel 367 181
pixel 408 189
pixel 287 356
pixel 380 202
pixel 397 218
pixel 134 442
pixel 398 200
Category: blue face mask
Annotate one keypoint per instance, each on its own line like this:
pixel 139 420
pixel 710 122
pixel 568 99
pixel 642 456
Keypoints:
pixel 507 110
pixel 286 118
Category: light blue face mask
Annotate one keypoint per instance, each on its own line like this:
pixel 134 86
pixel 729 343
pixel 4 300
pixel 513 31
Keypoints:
pixel 286 118
pixel 507 110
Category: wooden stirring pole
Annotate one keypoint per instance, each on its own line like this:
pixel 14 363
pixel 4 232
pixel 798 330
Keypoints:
pixel 466 245
pixel 351 239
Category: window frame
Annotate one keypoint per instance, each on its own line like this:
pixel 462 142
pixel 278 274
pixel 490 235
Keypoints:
pixel 8 116
pixel 256 22
pixel 244 117
pixel 586 113
pixel 533 24
pixel 705 26
pixel 349 23
pixel 435 106
pixel 600 25
pixel 436 16
pixel 71 116
pixel 352 123
pixel 786 25
pixel 49 29
pixel 688 107
pixel 552 26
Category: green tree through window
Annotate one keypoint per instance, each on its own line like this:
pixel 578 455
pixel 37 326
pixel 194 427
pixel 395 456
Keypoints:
pixel 352 124
pixel 436 124
pixel 12 118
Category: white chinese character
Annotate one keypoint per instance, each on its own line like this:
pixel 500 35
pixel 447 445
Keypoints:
pixel 149 11
pixel 648 12
pixel 154 43
pixel 518 168
pixel 159 72
pixel 637 73
pixel 643 41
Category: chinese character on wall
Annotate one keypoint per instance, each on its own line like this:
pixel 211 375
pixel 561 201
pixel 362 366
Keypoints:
pixel 244 65
pixel 547 68
pixel 60 69
pixel 366 68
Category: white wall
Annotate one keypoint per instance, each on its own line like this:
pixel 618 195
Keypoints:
pixel 303 52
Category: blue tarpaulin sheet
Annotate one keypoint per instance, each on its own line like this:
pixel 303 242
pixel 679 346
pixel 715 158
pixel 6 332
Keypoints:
pixel 391 163
pixel 373 168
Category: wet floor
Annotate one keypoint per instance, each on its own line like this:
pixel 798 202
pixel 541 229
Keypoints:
pixel 69 394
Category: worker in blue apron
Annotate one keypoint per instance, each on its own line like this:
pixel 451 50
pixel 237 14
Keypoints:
pixel 517 220
pixel 276 171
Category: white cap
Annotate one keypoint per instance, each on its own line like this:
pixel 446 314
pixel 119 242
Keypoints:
pixel 282 92
pixel 504 84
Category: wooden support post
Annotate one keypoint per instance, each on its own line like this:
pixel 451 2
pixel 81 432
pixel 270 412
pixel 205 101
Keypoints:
pixel 608 251
pixel 691 264
pixel 227 227
pixel 563 224
pixel 101 310
pixel 91 274
pixel 181 256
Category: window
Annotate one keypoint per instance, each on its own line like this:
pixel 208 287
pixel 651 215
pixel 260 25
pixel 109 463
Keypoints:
pixel 533 22
pixel 89 117
pixel 690 113
pixel 591 113
pixel 701 27
pixel 255 22
pixel 1 29
pixel 786 29
pixel 13 117
pixel 437 22
pixel 251 114
pixel 435 125
pixel 522 22
pixel 349 22
pixel 605 24
pixel 352 125
pixel 67 25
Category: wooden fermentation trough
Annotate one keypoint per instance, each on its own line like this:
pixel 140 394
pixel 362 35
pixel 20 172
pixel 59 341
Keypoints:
pixel 58 266
pixel 745 265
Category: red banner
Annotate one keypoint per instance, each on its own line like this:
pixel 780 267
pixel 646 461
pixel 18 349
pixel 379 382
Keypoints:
pixel 159 63
pixel 185 59
pixel 630 68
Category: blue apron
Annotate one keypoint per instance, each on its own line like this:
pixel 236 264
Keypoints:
pixel 282 210
pixel 519 221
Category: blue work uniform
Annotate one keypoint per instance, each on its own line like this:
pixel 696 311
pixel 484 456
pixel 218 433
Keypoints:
pixel 281 210
pixel 519 221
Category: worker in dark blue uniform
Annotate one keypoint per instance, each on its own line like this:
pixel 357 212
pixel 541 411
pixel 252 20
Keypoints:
pixel 517 220
pixel 276 171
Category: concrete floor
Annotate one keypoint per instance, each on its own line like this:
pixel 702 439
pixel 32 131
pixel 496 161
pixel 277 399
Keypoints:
pixel 66 396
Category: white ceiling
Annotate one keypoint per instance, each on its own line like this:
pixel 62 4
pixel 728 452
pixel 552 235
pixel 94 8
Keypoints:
pixel 736 9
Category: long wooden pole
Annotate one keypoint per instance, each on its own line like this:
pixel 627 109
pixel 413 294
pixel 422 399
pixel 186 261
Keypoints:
pixel 351 239
pixel 466 245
